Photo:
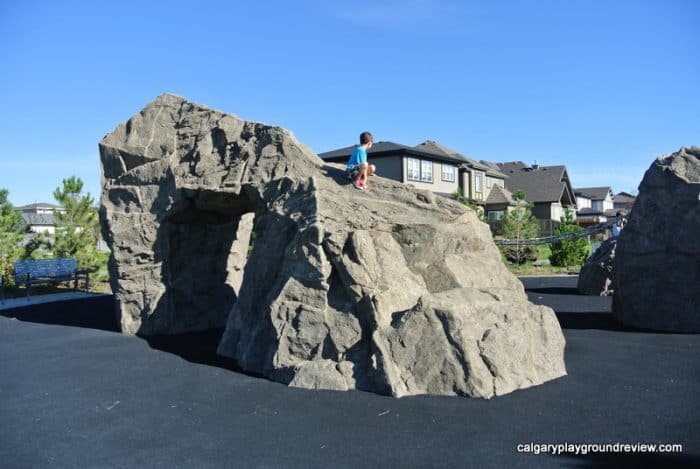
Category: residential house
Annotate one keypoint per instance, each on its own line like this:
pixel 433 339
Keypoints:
pixel 548 188
pixel 422 168
pixel 436 167
pixel 499 200
pixel 623 201
pixel 595 205
pixel 480 181
pixel 39 217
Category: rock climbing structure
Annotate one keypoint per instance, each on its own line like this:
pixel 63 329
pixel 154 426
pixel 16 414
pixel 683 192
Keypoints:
pixel 215 221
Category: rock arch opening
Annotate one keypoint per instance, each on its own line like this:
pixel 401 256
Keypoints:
pixel 204 244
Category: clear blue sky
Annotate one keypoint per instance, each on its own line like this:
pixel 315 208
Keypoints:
pixel 603 87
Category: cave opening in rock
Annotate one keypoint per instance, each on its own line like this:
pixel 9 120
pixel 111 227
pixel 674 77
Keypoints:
pixel 206 240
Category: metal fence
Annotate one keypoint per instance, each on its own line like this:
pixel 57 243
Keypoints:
pixel 556 238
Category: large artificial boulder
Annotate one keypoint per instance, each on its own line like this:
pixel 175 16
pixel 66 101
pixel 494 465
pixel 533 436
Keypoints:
pixel 657 263
pixel 596 275
pixel 391 290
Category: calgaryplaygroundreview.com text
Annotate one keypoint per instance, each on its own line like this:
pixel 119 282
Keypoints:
pixel 585 448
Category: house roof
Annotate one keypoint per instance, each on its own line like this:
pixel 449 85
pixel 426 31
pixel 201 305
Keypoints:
pixel 499 195
pixel 490 169
pixel 435 147
pixel 624 197
pixel 38 219
pixel 390 148
pixel 38 206
pixel 493 169
pixel 540 184
pixel 593 193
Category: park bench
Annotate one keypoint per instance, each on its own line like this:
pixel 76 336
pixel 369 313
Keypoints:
pixel 46 271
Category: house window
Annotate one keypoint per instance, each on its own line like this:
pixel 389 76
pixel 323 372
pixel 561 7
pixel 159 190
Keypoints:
pixel 448 173
pixel 413 169
pixel 426 171
pixel 419 170
pixel 489 182
pixel 495 215
pixel 478 183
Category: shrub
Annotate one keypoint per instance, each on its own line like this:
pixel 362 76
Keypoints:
pixel 569 252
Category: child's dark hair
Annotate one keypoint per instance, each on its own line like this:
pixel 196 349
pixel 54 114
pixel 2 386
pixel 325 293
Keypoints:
pixel 366 137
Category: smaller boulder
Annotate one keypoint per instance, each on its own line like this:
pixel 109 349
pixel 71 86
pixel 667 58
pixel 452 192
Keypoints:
pixel 595 277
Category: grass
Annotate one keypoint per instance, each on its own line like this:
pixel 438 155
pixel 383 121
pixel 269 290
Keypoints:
pixel 529 269
pixel 12 291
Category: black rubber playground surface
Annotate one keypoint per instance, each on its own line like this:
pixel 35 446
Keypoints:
pixel 74 393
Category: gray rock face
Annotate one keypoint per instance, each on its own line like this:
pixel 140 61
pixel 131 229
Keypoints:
pixel 657 264
pixel 390 290
pixel 596 275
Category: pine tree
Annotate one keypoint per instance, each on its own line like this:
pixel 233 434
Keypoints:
pixel 520 224
pixel 77 227
pixel 12 230
pixel 569 252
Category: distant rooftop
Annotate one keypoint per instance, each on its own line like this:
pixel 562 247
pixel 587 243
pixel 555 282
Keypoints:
pixel 540 183
pixel 387 148
pixel 593 193
pixel 500 195
pixel 623 197
pixel 428 149
pixel 38 219
pixel 38 206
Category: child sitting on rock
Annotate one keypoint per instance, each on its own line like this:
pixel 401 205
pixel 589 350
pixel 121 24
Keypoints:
pixel 358 169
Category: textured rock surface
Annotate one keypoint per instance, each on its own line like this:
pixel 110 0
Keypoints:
pixel 657 263
pixel 390 290
pixel 596 274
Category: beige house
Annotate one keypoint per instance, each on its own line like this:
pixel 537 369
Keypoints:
pixel 421 168
pixel 435 167
pixel 480 181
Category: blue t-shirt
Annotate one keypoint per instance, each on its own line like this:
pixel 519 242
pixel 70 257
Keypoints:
pixel 617 228
pixel 358 156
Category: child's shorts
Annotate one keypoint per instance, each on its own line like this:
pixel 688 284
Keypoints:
pixel 353 173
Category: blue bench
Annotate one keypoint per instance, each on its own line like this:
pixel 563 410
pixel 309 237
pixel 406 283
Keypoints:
pixel 43 271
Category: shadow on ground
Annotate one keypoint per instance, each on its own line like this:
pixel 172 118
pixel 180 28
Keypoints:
pixel 93 313
pixel 555 291
pixel 100 313
pixel 574 311
pixel 195 347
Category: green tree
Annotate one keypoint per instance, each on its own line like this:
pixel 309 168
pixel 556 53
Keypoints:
pixel 77 227
pixel 12 230
pixel 519 224
pixel 569 252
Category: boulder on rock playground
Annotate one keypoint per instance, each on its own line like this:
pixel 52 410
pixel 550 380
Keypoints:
pixel 657 261
pixel 391 290
pixel 596 275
